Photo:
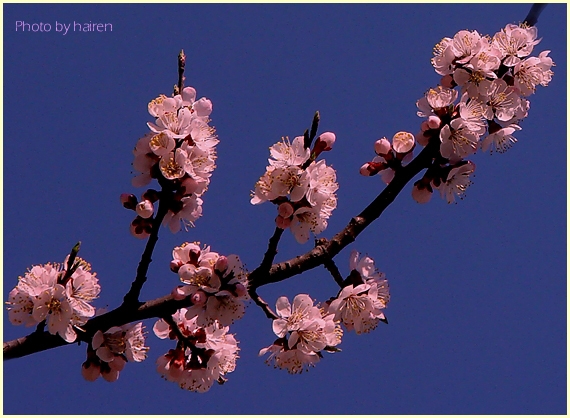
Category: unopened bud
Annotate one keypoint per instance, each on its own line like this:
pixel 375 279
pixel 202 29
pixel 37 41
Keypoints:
pixel 424 126
pixel 387 175
pixel 403 142
pixel 129 201
pixel 282 222
pixel 145 209
pixel 221 264
pixel 138 229
pixel 382 146
pixel 285 210
pixel 433 122
pixel 151 195
pixel 328 138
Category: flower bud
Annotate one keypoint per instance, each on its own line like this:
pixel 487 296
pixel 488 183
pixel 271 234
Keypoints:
pixel 138 230
pixel 424 126
pixel 282 222
pixel 145 209
pixel 240 290
pixel 129 201
pixel 382 146
pixel 111 375
pixel 90 371
pixel 285 210
pixel 403 142
pixel 328 138
pixel 221 264
pixel 433 122
pixel 199 298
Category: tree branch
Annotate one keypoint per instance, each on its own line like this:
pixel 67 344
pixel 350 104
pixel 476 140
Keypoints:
pixel 330 249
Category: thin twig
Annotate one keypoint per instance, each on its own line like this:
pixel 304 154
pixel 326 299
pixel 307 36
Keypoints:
pixel 534 13
pixel 335 273
pixel 132 296
pixel 262 304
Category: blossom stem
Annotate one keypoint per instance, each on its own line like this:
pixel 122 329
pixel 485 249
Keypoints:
pixel 132 296
pixel 534 13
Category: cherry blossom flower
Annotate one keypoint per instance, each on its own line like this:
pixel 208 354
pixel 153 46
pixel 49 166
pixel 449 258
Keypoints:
pixel 515 42
pixel 501 101
pixel 322 182
pixel 304 330
pixel 286 154
pixel 457 140
pixel 465 45
pixel 444 57
pixel 457 182
pixel 533 71
pixel 501 140
pixel 435 99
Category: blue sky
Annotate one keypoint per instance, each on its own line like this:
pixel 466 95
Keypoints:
pixel 478 309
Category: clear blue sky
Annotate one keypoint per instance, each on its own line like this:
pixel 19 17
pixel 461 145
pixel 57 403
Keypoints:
pixel 478 310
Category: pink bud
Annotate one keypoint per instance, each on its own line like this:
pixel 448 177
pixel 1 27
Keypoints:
pixel 138 231
pixel 285 210
pixel 129 201
pixel 328 138
pixel 403 142
pixel 199 298
pixel 382 146
pixel 282 222
pixel 424 126
pixel 111 375
pixel 190 185
pixel 240 290
pixel 175 265
pixel 90 371
pixel 433 122
pixel 145 209
pixel 421 195
pixel 221 264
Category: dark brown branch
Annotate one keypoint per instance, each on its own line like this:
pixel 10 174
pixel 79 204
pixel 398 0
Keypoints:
pixel 132 296
pixel 335 273
pixel 41 341
pixel 534 13
pixel 330 249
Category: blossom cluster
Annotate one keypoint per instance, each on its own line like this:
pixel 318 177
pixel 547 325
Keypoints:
pixel 304 330
pixel 360 304
pixel 109 352
pixel 216 288
pixel 216 284
pixel 180 152
pixel 303 189
pixel 494 77
pixel 51 293
pixel 203 354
